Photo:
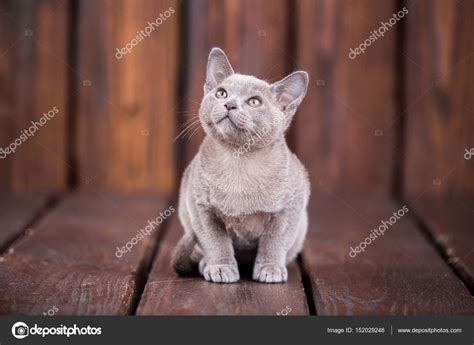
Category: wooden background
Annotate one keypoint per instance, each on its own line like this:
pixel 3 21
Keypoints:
pixel 391 121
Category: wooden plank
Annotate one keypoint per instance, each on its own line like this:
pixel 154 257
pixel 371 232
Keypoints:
pixel 126 106
pixel 439 109
pixel 451 222
pixel 167 294
pixel 33 81
pixel 17 211
pixel 69 260
pixel 251 32
pixel 343 124
pixel 399 273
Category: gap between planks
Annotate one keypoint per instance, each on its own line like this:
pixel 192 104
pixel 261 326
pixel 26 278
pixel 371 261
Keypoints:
pixel 147 264
pixel 167 294
pixel 398 274
pixel 38 205
pixel 68 260
pixel 448 253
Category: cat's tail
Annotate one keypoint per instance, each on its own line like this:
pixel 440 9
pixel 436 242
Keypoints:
pixel 183 263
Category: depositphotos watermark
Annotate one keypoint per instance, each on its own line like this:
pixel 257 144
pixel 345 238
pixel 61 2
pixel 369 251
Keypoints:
pixel 146 32
pixel 380 231
pixel 28 133
pixel 51 311
pixel 146 231
pixel 285 311
pixel 21 330
pixel 377 33
pixel 469 153
pixel 259 136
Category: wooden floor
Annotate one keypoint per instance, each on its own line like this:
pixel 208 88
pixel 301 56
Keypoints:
pixel 58 253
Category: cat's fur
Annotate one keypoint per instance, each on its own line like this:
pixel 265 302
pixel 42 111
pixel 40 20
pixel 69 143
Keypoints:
pixel 254 200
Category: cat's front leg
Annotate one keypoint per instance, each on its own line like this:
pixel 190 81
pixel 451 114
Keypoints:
pixel 279 235
pixel 218 264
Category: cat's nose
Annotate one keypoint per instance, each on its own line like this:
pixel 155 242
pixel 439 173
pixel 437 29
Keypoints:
pixel 229 105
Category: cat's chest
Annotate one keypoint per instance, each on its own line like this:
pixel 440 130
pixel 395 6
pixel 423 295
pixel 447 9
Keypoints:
pixel 246 189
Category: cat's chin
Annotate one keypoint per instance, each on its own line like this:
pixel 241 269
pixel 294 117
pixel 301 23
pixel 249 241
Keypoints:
pixel 229 140
pixel 229 132
pixel 227 124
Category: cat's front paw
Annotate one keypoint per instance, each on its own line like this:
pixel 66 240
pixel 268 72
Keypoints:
pixel 219 273
pixel 270 273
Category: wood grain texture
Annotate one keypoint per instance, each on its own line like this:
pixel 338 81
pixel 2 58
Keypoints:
pixel 126 107
pixel 439 110
pixel 451 222
pixel 342 128
pixel 254 35
pixel 69 260
pixel 17 211
pixel 167 294
pixel 33 80
pixel 398 274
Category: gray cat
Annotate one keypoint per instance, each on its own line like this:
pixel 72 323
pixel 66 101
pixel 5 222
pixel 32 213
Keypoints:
pixel 244 190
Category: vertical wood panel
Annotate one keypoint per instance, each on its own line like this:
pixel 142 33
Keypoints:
pixel 33 80
pixel 439 98
pixel 349 102
pixel 126 107
pixel 253 34
pixel 439 183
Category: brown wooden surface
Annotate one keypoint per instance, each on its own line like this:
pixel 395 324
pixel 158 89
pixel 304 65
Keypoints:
pixel 167 294
pixel 16 213
pixel 439 109
pixel 451 221
pixel 254 35
pixel 126 107
pixel 348 100
pixel 33 80
pixel 398 274
pixel 68 260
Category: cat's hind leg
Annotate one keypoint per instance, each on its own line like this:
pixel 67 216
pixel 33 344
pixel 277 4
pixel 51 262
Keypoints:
pixel 183 263
pixel 185 259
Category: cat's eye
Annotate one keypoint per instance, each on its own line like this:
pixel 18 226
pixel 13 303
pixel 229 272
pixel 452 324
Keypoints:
pixel 254 102
pixel 221 93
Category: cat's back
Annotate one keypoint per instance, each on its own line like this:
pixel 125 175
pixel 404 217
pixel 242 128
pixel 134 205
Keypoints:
pixel 300 175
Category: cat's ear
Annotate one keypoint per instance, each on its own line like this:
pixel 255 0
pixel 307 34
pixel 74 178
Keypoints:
pixel 218 68
pixel 290 91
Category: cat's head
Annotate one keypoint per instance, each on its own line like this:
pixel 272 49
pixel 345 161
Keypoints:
pixel 238 109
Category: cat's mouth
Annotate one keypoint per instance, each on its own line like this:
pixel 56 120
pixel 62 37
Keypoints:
pixel 227 117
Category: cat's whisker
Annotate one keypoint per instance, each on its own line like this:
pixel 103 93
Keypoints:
pixel 186 125
pixel 256 134
pixel 185 111
pixel 191 126
pixel 188 122
pixel 194 102
pixel 197 129
pixel 192 116
pixel 248 123
pixel 188 128
pixel 192 131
